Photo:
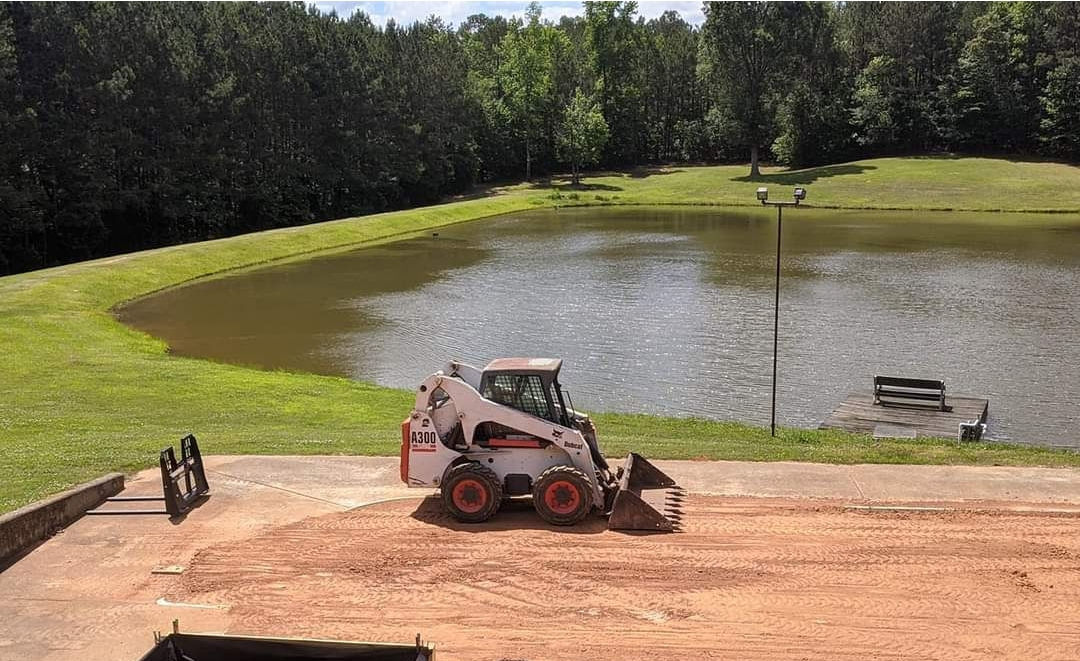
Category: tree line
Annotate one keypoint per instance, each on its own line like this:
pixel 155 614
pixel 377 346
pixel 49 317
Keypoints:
pixel 131 125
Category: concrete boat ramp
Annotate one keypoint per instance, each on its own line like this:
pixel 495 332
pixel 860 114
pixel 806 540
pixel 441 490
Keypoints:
pixel 100 587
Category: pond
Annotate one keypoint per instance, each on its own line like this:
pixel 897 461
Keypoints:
pixel 670 310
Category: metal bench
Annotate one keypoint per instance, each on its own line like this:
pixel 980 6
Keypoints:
pixel 897 391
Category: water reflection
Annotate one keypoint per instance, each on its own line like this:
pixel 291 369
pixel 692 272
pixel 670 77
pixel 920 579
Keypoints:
pixel 670 311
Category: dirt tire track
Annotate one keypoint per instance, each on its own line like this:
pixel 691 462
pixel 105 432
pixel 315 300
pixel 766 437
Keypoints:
pixel 748 579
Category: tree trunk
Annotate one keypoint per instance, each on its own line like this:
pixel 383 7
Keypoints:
pixel 528 162
pixel 576 179
pixel 755 172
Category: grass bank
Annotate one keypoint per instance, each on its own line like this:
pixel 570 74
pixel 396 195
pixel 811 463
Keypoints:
pixel 81 394
pixel 941 183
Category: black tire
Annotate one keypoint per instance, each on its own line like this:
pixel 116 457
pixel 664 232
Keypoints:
pixel 471 493
pixel 562 495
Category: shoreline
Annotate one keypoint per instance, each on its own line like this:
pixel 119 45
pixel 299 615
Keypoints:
pixel 86 395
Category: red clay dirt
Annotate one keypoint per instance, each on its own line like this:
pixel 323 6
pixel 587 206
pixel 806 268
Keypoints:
pixel 746 579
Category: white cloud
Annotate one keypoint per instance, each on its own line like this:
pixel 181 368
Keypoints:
pixel 455 12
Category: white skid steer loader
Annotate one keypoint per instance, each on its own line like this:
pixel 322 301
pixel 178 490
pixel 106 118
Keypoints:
pixel 480 436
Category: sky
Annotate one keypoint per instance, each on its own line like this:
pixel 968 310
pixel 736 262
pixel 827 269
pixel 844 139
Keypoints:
pixel 456 12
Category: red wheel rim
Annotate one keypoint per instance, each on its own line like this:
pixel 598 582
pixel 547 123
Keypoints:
pixel 562 497
pixel 469 495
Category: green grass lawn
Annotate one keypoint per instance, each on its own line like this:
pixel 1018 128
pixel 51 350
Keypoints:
pixel 927 183
pixel 81 395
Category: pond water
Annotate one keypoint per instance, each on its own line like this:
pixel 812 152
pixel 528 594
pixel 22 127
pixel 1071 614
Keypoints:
pixel 670 311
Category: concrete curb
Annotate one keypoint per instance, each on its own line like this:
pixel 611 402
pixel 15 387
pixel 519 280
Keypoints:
pixel 22 529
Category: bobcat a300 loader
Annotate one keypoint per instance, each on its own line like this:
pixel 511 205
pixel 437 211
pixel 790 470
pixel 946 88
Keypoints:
pixel 509 430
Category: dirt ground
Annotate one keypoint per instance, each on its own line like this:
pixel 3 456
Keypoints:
pixel 746 579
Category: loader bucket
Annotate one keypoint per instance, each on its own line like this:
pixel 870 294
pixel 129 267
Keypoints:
pixel 647 499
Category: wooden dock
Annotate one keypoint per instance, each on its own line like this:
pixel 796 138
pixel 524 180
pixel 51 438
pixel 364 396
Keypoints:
pixel 858 414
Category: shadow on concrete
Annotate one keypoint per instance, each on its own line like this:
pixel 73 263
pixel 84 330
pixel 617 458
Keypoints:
pixel 177 520
pixel 10 561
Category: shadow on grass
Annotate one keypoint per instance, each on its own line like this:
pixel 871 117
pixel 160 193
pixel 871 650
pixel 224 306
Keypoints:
pixel 565 186
pixel 940 156
pixel 807 176
pixel 476 192
pixel 1009 157
pixel 642 173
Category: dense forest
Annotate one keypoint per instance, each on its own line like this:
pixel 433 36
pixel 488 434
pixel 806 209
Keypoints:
pixel 131 125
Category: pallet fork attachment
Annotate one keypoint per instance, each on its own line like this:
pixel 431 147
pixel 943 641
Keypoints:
pixel 183 482
pixel 646 499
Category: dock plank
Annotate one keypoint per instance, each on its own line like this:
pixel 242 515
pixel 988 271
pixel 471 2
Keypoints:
pixel 858 414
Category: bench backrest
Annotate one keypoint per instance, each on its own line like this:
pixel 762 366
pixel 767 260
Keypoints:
pixel 915 384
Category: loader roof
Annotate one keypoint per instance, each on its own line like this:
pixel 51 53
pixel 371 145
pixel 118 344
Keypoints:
pixel 551 365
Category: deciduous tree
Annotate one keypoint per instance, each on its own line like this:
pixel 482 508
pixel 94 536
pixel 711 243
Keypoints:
pixel 582 134
pixel 741 51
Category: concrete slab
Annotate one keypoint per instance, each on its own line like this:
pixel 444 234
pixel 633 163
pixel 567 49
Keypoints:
pixel 88 593
pixel 763 479
pixel 91 592
pixel 341 481
pixel 968 483
pixel 878 482
pixel 353 481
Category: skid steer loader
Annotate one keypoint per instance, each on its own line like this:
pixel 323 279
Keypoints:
pixel 508 430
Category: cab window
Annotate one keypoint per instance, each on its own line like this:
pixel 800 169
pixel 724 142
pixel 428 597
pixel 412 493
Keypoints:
pixel 524 392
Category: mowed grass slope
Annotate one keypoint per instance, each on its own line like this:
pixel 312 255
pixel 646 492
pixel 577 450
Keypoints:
pixel 927 183
pixel 80 394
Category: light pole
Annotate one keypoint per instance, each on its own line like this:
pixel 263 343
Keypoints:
pixel 763 197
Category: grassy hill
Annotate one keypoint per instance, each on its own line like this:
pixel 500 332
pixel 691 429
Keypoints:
pixel 929 183
pixel 80 394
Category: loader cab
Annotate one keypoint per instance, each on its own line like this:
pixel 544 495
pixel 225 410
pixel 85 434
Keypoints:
pixel 530 385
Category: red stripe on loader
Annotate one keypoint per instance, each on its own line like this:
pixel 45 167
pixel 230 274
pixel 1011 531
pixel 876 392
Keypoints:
pixel 515 443
pixel 404 465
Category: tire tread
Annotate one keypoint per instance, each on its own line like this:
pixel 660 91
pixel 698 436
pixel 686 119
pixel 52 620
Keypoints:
pixel 480 471
pixel 563 471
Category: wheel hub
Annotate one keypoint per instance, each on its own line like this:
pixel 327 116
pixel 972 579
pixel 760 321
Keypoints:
pixel 562 497
pixel 469 496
